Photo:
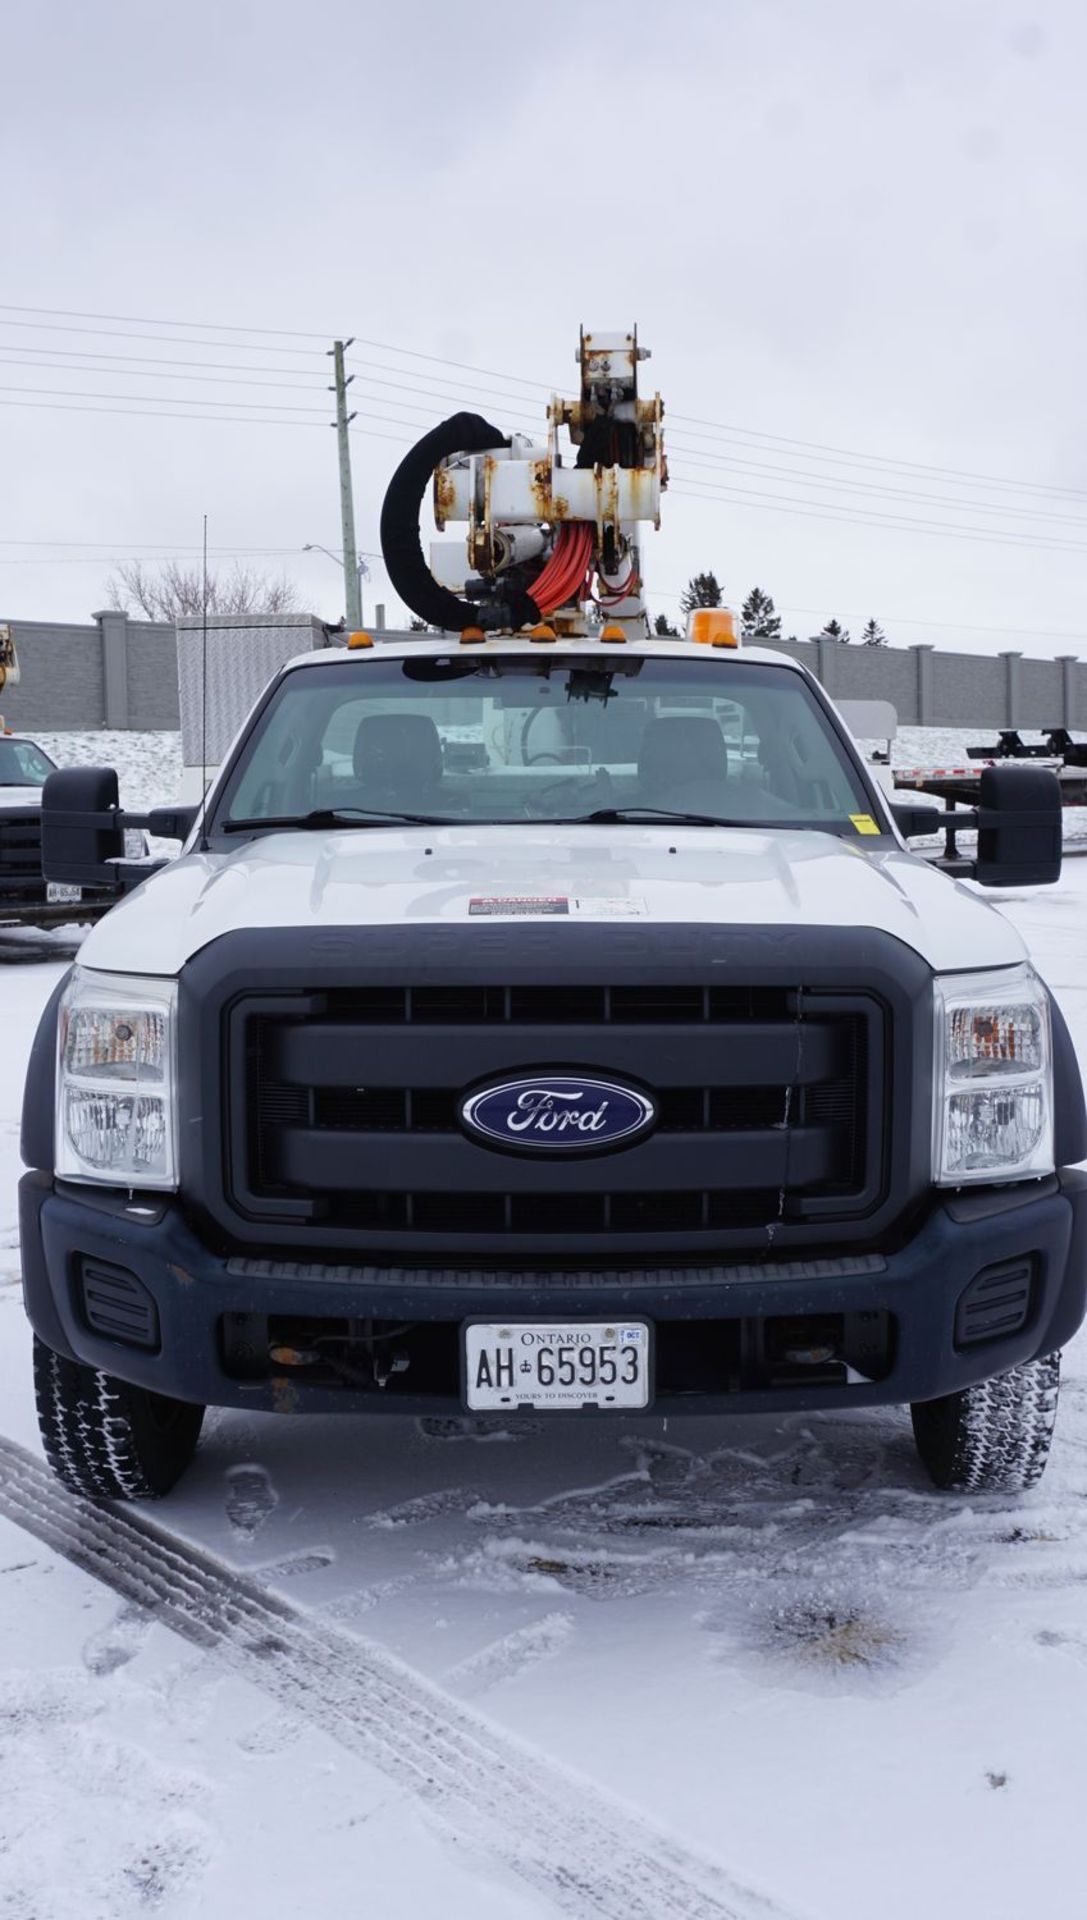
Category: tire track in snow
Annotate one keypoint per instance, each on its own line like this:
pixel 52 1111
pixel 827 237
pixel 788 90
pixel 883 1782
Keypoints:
pixel 588 1855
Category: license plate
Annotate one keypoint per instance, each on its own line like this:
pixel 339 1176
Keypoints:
pixel 57 894
pixel 552 1365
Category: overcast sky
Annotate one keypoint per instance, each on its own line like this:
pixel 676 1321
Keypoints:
pixel 852 234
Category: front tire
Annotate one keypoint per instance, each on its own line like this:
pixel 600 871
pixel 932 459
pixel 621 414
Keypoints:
pixel 107 1439
pixel 992 1438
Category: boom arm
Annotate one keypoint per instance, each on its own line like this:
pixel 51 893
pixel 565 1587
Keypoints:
pixel 545 538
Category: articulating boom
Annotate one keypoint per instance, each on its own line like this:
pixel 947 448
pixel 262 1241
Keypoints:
pixel 549 539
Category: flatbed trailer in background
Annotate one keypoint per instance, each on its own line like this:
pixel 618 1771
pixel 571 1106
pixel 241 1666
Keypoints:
pixel 1065 757
pixel 962 784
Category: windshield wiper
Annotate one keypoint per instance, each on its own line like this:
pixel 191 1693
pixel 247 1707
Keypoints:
pixel 612 816
pixel 339 817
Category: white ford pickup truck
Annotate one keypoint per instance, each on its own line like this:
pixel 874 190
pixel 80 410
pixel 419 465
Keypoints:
pixel 542 1025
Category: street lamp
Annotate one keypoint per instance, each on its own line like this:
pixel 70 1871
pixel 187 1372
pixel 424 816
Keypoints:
pixel 314 546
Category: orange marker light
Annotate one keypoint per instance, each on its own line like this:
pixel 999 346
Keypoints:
pixel 713 627
pixel 543 632
pixel 472 636
pixel 613 631
pixel 359 640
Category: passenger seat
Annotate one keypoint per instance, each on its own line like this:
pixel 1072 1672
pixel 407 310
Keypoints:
pixel 398 762
pixel 680 751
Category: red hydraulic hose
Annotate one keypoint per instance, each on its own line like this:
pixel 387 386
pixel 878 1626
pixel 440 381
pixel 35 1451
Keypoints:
pixel 568 565
pixel 565 572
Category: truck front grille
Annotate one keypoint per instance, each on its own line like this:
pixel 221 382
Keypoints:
pixel 772 1114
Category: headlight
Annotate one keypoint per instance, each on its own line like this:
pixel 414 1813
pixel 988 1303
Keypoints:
pixel 993 1115
pixel 117 1080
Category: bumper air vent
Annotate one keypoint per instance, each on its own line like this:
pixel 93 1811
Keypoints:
pixel 995 1304
pixel 118 1306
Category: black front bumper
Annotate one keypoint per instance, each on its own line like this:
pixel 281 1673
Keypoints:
pixel 919 1284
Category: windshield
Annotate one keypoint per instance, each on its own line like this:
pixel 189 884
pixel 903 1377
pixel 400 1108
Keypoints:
pixel 508 739
pixel 22 764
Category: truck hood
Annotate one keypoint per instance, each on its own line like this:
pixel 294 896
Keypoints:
pixel 11 797
pixel 391 876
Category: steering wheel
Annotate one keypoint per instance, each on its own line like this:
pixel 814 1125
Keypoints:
pixel 598 778
pixel 536 759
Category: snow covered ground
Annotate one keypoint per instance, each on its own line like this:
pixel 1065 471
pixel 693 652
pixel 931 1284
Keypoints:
pixel 751 1669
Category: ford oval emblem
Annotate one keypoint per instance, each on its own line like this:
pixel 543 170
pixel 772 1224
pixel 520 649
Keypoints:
pixel 557 1113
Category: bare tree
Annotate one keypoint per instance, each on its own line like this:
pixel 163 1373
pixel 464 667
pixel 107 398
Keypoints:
pixel 167 591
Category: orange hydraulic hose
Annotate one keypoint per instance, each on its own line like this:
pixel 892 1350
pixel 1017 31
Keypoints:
pixel 565 572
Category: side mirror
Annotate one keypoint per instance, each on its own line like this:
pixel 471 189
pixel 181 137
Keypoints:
pixel 1020 827
pixel 172 823
pixel 913 822
pixel 82 827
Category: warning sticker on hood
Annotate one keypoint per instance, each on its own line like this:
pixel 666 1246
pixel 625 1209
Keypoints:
pixel 512 905
pixel 601 906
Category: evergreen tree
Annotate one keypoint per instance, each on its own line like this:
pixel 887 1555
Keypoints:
pixel 873 635
pixel 664 627
pixel 702 590
pixel 834 630
pixel 760 622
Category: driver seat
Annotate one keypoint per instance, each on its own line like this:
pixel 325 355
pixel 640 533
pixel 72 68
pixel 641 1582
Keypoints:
pixel 398 762
pixel 681 750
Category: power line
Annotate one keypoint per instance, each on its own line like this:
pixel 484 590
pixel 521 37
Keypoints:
pixel 159 372
pixel 737 496
pixel 867 488
pixel 371 370
pixel 319 374
pixel 80 393
pixel 135 364
pixel 142 320
pixel 240 408
pixel 161 413
pixel 118 559
pixel 836 485
pixel 166 339
pixel 694 421
pixel 157 546
pixel 899 524
pixel 878 459
pixel 241 412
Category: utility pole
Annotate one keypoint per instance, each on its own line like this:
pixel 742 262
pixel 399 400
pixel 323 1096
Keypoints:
pixel 351 584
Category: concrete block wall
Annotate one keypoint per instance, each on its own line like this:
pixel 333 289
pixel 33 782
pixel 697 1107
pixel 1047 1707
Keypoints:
pixel 112 672
pixel 931 688
pixel 117 672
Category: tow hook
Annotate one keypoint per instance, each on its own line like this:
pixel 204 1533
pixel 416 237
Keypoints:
pixel 398 1362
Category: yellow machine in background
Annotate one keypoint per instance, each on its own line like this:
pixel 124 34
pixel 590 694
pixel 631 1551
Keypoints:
pixel 9 664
